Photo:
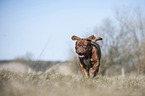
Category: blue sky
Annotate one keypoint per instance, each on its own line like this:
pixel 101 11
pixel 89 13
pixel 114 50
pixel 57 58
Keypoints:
pixel 30 26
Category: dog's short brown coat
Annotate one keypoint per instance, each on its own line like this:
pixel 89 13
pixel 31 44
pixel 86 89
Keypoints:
pixel 89 55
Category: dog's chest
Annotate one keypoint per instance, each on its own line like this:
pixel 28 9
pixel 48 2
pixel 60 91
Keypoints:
pixel 87 62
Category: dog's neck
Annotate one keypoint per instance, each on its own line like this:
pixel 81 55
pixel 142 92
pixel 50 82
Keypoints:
pixel 93 44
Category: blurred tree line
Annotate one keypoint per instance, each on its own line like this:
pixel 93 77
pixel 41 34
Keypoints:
pixel 37 65
pixel 123 45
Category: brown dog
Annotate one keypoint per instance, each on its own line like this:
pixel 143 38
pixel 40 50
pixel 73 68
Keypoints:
pixel 89 55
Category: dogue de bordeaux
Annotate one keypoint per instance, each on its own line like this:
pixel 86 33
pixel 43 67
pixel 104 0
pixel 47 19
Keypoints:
pixel 89 54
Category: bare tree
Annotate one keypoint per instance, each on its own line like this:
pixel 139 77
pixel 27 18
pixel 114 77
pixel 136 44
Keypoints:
pixel 123 39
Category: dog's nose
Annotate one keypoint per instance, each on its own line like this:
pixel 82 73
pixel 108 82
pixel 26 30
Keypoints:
pixel 79 50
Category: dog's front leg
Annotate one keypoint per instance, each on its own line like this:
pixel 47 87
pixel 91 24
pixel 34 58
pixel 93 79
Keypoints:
pixel 84 71
pixel 94 70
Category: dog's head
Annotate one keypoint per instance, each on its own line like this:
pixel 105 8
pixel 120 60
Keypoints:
pixel 83 46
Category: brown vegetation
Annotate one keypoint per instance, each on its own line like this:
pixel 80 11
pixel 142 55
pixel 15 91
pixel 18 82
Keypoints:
pixel 56 84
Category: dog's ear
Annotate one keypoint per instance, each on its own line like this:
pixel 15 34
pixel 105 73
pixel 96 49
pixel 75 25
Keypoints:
pixel 92 37
pixel 97 38
pixel 75 37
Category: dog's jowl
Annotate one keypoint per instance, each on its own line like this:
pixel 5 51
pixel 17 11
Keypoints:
pixel 89 54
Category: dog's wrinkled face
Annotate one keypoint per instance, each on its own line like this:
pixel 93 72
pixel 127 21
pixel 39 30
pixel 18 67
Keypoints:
pixel 83 47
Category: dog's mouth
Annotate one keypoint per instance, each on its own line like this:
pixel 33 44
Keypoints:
pixel 81 56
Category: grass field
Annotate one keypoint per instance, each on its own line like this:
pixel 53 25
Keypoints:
pixel 56 84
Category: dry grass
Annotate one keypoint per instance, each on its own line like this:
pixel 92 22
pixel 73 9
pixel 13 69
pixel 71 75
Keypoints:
pixel 56 84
